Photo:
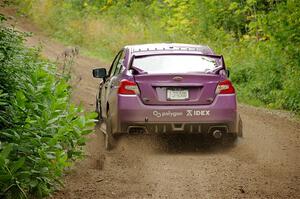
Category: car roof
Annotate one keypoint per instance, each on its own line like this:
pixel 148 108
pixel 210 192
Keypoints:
pixel 144 49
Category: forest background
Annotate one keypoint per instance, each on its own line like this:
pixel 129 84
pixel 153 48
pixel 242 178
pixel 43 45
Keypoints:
pixel 260 39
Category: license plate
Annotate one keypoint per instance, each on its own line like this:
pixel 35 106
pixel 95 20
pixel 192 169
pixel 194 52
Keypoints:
pixel 177 94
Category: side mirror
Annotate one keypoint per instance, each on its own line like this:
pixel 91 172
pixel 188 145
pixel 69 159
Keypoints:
pixel 227 72
pixel 99 73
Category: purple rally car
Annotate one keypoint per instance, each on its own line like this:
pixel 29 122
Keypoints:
pixel 167 88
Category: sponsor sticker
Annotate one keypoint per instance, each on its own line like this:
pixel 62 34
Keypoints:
pixel 187 113
pixel 190 113
pixel 167 114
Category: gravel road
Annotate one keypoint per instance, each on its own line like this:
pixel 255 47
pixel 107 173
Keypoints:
pixel 265 163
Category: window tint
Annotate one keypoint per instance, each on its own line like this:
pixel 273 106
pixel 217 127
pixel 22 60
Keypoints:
pixel 115 63
pixel 175 63
pixel 120 64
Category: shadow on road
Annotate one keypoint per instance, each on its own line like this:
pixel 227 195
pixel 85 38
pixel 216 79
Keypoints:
pixel 173 144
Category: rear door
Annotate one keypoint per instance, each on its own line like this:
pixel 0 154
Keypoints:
pixel 108 86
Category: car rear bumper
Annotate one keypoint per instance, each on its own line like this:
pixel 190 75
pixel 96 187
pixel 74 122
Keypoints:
pixel 133 115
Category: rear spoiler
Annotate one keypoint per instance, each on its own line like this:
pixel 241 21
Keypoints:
pixel 220 61
pixel 221 65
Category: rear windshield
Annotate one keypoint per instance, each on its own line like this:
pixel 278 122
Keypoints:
pixel 175 63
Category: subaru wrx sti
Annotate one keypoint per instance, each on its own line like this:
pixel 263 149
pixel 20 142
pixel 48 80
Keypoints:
pixel 167 89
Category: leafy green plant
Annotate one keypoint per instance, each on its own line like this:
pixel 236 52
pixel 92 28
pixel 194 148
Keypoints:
pixel 41 132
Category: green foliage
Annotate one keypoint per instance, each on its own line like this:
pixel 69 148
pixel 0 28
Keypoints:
pixel 259 38
pixel 41 133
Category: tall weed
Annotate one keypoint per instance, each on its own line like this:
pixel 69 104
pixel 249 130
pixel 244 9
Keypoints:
pixel 41 132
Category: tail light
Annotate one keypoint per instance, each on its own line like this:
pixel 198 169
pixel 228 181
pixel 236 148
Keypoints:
pixel 225 87
pixel 127 87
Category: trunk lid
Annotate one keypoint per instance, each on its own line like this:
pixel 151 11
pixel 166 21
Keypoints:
pixel 177 89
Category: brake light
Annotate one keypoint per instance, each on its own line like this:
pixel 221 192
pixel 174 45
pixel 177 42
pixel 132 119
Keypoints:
pixel 225 87
pixel 127 87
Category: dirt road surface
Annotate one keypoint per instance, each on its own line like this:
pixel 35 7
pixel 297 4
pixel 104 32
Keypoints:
pixel 263 164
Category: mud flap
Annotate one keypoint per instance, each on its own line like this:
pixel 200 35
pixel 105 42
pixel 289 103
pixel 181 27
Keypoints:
pixel 109 138
pixel 229 139
pixel 98 110
pixel 240 127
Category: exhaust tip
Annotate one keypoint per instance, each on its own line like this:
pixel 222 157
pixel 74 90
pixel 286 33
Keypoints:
pixel 218 131
pixel 217 134
pixel 136 130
